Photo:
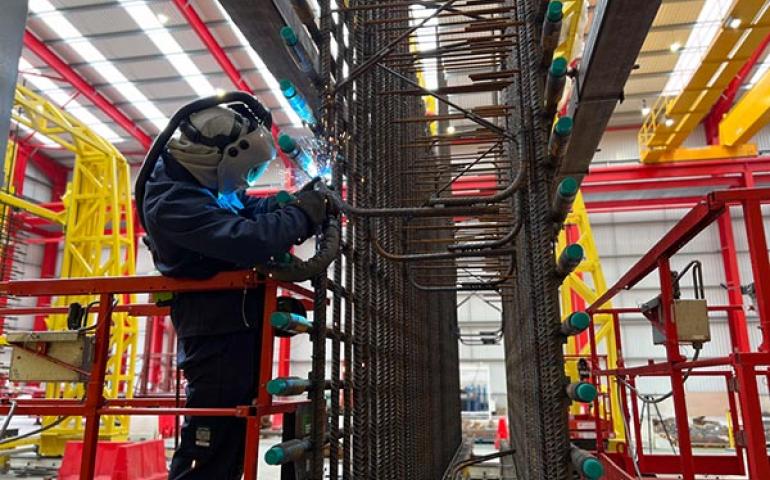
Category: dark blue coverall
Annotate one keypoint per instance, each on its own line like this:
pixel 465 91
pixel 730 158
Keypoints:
pixel 194 236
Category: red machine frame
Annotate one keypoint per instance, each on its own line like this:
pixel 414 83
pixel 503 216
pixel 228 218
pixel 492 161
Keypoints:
pixel 94 405
pixel 746 365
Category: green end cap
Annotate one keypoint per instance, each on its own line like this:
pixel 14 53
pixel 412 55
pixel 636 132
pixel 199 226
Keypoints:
pixel 585 392
pixel 287 87
pixel 286 143
pixel 574 252
pixel 555 12
pixel 564 126
pixel 283 197
pixel 579 320
pixel 276 386
pixel 280 320
pixel 284 258
pixel 275 456
pixel 568 187
pixel 559 67
pixel 592 469
pixel 288 35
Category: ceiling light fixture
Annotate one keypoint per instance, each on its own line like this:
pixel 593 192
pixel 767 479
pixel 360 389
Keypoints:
pixel 163 19
pixel 645 109
pixel 675 47
pixel 669 122
pixel 733 23
pixel 167 44
pixel 450 130
pixel 65 101
pixel 107 70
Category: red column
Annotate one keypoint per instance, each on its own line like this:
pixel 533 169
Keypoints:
pixel 736 318
pixel 760 265
pixel 95 388
pixel 284 364
pixel 677 381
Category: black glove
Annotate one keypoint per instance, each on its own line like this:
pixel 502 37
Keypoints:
pixel 272 204
pixel 314 204
pixel 310 186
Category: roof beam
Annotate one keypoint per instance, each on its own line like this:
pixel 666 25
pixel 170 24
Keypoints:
pixel 203 32
pixel 40 49
pixel 725 102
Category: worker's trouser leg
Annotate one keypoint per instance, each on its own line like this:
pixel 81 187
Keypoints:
pixel 221 371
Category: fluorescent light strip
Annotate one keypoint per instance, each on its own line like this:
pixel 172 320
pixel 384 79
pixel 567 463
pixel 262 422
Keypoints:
pixel 704 31
pixel 267 76
pixel 48 14
pixel 167 44
pixel 64 100
pixel 762 68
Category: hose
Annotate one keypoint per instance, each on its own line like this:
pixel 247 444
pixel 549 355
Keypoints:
pixel 165 135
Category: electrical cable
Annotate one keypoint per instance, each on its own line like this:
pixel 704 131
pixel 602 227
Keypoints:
pixel 56 422
pixel 7 420
pixel 647 398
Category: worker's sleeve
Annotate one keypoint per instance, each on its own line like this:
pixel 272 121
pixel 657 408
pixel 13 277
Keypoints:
pixel 191 218
pixel 253 206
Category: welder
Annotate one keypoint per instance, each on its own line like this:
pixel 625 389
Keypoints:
pixel 201 222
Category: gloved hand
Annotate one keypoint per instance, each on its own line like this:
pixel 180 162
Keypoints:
pixel 310 186
pixel 272 204
pixel 314 204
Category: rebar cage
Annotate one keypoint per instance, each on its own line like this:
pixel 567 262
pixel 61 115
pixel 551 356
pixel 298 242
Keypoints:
pixel 419 231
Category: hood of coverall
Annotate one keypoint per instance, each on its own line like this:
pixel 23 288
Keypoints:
pixel 223 149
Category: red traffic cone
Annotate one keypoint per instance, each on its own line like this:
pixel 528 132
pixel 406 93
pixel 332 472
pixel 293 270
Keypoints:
pixel 502 432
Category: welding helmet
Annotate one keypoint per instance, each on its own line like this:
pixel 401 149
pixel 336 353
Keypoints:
pixel 224 148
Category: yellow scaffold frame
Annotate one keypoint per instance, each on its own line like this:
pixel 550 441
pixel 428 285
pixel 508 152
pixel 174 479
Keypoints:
pixel 588 282
pixel 98 241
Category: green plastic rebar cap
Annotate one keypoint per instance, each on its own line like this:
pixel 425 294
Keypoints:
pixel 555 12
pixel 585 392
pixel 559 67
pixel 564 126
pixel 579 320
pixel 568 187
pixel 283 196
pixel 287 87
pixel 280 320
pixel 277 385
pixel 286 143
pixel 592 469
pixel 574 252
pixel 275 456
pixel 288 35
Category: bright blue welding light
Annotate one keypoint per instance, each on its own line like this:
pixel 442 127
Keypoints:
pixel 297 102
pixel 252 178
pixel 230 201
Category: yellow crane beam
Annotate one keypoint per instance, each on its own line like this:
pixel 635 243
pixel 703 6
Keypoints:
pixel 673 119
pixel 748 116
